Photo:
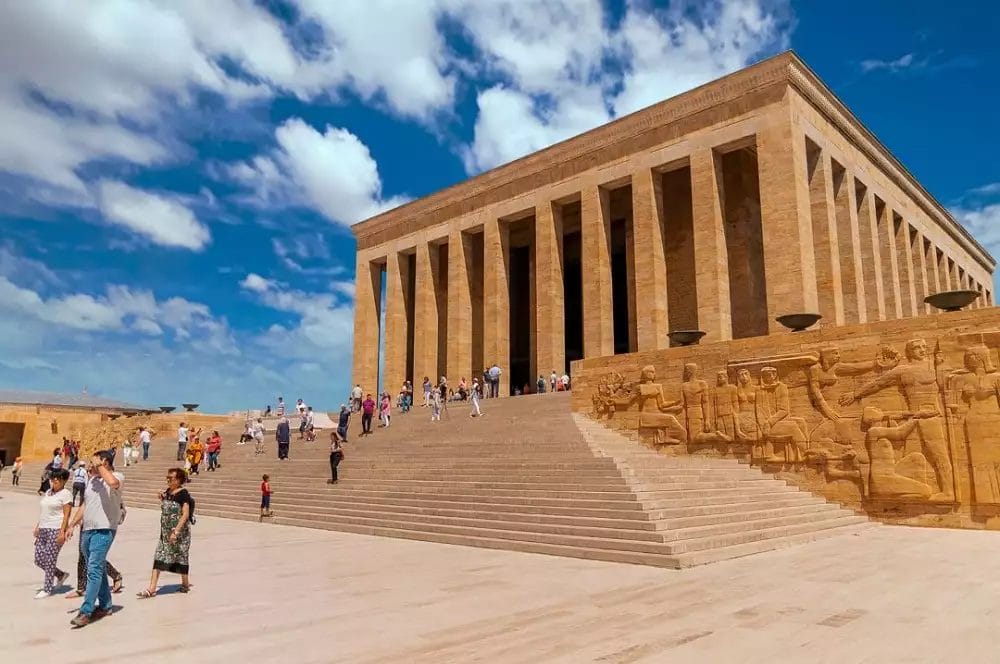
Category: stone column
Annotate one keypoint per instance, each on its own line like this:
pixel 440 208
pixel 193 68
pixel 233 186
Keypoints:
pixel 786 221
pixel 934 270
pixel 829 292
pixel 887 243
pixel 711 259
pixel 901 230
pixel 871 257
pixel 426 315
pixel 367 297
pixel 920 280
pixel 496 300
pixel 396 322
pixel 648 259
pixel 550 315
pixel 595 236
pixel 459 342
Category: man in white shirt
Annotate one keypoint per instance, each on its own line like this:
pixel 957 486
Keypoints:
pixel 182 441
pixel 565 381
pixel 100 514
pixel 145 438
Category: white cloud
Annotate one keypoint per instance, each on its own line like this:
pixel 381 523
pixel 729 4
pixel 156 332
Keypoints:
pixel 984 224
pixel 163 220
pixel 567 69
pixel 892 66
pixel 119 309
pixel 332 172
pixel 322 324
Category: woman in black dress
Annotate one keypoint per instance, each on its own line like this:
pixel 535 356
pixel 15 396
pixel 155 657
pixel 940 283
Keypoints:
pixel 171 554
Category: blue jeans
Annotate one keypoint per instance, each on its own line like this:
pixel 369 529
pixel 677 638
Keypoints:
pixel 145 451
pixel 94 546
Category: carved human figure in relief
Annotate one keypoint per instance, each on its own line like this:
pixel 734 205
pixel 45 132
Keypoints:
pixel 746 399
pixel 726 406
pixel 919 386
pixel 821 383
pixel 657 423
pixel 887 477
pixel 777 428
pixel 979 388
pixel 694 397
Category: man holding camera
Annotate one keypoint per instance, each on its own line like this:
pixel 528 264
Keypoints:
pixel 100 513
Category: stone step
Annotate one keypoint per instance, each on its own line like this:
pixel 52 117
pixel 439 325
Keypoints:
pixel 587 527
pixel 557 514
pixel 591 501
pixel 715 510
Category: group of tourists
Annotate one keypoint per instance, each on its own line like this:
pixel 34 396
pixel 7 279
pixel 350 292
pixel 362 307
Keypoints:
pixel 192 452
pixel 96 510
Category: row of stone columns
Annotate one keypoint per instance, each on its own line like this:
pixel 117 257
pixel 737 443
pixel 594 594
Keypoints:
pixel 833 245
pixel 871 263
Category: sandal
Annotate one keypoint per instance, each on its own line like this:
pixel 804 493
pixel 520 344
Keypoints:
pixel 146 594
pixel 117 586
pixel 184 589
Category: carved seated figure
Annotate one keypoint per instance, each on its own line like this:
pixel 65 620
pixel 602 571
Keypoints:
pixel 657 423
pixel 777 427
pixel 887 477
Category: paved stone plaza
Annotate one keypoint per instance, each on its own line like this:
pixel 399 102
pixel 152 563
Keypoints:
pixel 892 594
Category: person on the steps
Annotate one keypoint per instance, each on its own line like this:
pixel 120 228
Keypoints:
pixel 343 420
pixel 265 497
pixel 283 435
pixel 336 456
pixel 367 414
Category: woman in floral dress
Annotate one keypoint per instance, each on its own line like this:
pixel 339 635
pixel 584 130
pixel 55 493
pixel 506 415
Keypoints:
pixel 171 554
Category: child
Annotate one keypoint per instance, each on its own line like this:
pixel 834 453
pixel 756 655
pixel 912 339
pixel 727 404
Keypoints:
pixel 265 498
pixel 435 406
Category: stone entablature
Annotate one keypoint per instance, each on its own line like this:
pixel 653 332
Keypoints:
pixel 900 419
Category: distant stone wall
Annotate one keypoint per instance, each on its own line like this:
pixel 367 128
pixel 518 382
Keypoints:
pixel 46 426
pixel 900 419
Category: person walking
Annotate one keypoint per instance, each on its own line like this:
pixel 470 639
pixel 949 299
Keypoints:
pixel 385 410
pixel 176 510
pixel 257 431
pixel 356 395
pixel 474 398
pixel 182 441
pixel 367 414
pixel 427 391
pixel 213 449
pixel 436 403
pixel 343 420
pixel 336 456
pixel 195 452
pixel 144 439
pixel 281 407
pixel 283 435
pixel 51 530
pixel 15 471
pixel 265 497
pixel 79 482
pixel 100 515
pixel 553 379
pixel 540 385
pixel 494 381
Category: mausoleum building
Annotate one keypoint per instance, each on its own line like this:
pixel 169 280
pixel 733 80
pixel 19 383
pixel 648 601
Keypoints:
pixel 752 196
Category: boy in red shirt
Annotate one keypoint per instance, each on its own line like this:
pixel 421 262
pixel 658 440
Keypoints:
pixel 265 498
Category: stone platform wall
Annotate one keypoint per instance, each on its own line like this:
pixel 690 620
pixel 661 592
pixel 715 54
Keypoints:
pixel 899 419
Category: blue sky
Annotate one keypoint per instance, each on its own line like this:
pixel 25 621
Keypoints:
pixel 177 178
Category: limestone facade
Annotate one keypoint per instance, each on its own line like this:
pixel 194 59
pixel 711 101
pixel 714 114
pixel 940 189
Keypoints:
pixel 899 418
pixel 756 195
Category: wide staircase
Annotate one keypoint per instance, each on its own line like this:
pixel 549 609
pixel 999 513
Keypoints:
pixel 527 476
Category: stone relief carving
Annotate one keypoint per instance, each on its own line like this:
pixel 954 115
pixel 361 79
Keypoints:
pixel 895 425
